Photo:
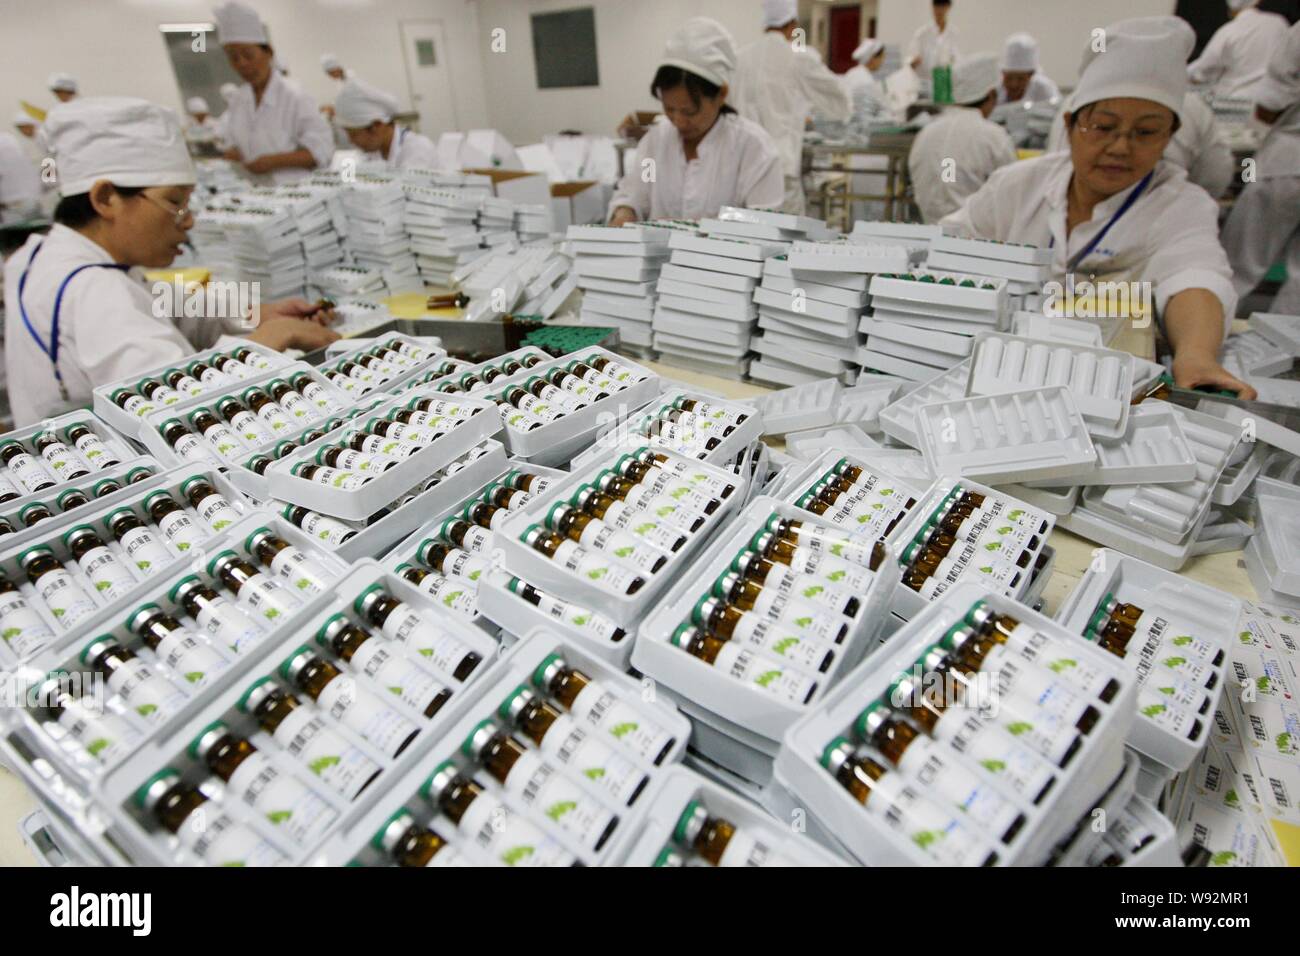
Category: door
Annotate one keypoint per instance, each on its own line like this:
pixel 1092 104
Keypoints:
pixel 846 22
pixel 428 76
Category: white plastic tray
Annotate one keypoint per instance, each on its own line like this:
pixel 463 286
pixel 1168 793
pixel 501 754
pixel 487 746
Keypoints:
pixel 993 249
pixel 117 446
pixel 898 420
pixel 800 407
pixel 877 465
pixel 1018 436
pixel 1153 449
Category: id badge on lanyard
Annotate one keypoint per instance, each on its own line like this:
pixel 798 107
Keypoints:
pixel 1073 262
pixel 52 350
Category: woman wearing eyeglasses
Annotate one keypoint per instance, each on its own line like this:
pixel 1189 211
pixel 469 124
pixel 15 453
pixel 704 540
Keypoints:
pixel 78 313
pixel 1112 209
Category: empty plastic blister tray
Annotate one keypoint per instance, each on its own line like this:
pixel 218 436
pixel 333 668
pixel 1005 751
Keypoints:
pixel 799 408
pixel 1019 436
pixel 1153 449
pixel 1100 380
pixel 1183 612
pixel 877 835
pixel 898 420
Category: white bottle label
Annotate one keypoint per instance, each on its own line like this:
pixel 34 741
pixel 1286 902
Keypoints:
pixel 180 530
pixel 817 538
pixel 106 737
pixel 463 565
pixel 392 674
pixel 216 512
pixel 30 472
pixel 580 618
pixel 297 407
pixel 300 572
pixel 343 768
pixel 147 553
pixel 334 478
pixel 111 578
pixel 456 595
pixel 216 839
pixel 540 784
pixel 782 641
pixel 315 393
pixel 1166 682
pixel 63 461
pixel 190 657
pixel 995 752
pixel 267 598
pixel 221 438
pixel 64 597
pixel 597 568
pixel 138 405
pixel 250 428
pixel 765 674
pixel 667 510
pixel 1039 689
pixel 189 386
pixel 1157 708
pixel 952 785
pixel 22 629
pixel 145 692
pixel 349 459
pixel 805 587
pixel 7 487
pixel 509 838
pixel 744 849
pixel 273 415
pixel 660 535
pixel 477 540
pixel 1036 647
pixel 440 648
pixel 1194 655
pixel 325 528
pixel 192 448
pixel 257 360
pixel 230 625
pixel 938 833
pixel 603 710
pixel 1041 731
pixel 601 537
pixel 669 486
pixel 95 452
pixel 214 378
pixel 832 570
pixel 591 761
pixel 696 477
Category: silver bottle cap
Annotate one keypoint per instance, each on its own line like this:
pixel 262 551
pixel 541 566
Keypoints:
pixel 522 698
pixel 442 779
pixel 297 663
pixel 836 755
pixel 482 736
pixel 257 538
pixel 157 788
pixel 397 828
pixel 332 629
pixel 692 822
pixel 208 739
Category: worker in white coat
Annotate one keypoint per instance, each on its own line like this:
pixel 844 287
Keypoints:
pixel 956 153
pixel 272 127
pixel 701 154
pixel 63 86
pixel 1021 77
pixel 1112 210
pixel 1264 225
pixel 202 128
pixel 366 114
pixel 868 58
pixel 78 313
pixel 933 44
pixel 29 136
pixel 1235 58
pixel 20 181
pixel 779 84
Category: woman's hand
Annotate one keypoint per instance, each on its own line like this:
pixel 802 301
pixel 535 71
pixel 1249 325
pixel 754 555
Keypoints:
pixel 282 332
pixel 262 164
pixel 623 214
pixel 1194 369
pixel 322 312
pixel 233 154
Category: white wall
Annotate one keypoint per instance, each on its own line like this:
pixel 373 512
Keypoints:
pixel 630 37
pixel 114 47
pixel 1062 27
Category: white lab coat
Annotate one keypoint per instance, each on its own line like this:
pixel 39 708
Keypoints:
pixel 1265 222
pixel 1169 237
pixel 287 119
pixel 1197 146
pixel 779 87
pixel 1040 90
pixel 736 164
pixel 961 145
pixel 859 77
pixel 932 47
pixel 20 182
pixel 107 328
pixel 411 150
pixel 1235 58
pixel 205 132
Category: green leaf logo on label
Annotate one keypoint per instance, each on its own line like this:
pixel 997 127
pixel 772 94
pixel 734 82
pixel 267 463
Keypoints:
pixel 885 492
pixel 96 745
pixel 1154 710
pixel 863 519
pixel 765 678
pixel 324 535
pixel 784 644
pixel 1223 858
pixel 225 447
pixel 994 766
pixel 644 528
pixel 986 569
pixel 251 436
pixel 321 764
pixel 60 464
pixel 923 838
pixel 802 621
pixel 279 816
pixel 1167 691
pixel 1231 798
pixel 813 590
pixel 9 633
pixel 272 614
pixel 425 651
pixel 103 585
pixel 993 546
pixel 594 773
pixel 581 619
pixel 302 584
pixel 622 730
pixel 557 810
pixel 194 676
pixel 389 447
pixel 1182 640
pixel 232 863
pixel 395 691
pixel 144 710
pixel 1062 665
pixel 144 565
pixel 1245 637
pixel 597 573
pixel 182 545
pixel 1174 661
pixel 835 576
pixel 58 611
pixel 623 552
pixel 1019 727
pixel 93 454
pixel 451 598
pixel 1262 683
pixel 218 525
pixel 516 854
pixel 876 506
pixel 837 550
pixel 1015 514
pixel 1284 743
pixel 665 511
pixel 679 493
pixel 1006 529
pixel 338 482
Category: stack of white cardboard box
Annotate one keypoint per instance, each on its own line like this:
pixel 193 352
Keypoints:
pixel 617 267
pixel 377 238
pixel 443 229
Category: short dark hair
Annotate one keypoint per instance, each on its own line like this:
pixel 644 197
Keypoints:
pixel 697 87
pixel 76 211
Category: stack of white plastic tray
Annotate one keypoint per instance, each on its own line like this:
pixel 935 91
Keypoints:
pixel 617 269
pixel 1035 325
pixel 167 744
pixel 661 730
pixel 1153 449
pixel 736 725
pixel 1099 380
pixel 1024 267
pixel 1024 583
pixel 1272 555
pixel 705 311
pixel 1176 610
pixel 377 238
pixel 870 833
pixel 586 589
pixel 1026 435
pixel 267 249
pixel 130 423
pixel 441 223
pixel 1159 522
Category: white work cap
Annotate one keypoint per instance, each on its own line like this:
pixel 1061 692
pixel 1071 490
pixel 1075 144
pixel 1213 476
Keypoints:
pixel 1144 58
pixel 359 104
pixel 1236 6
pixel 329 61
pixel 1020 55
pixel 228 91
pixel 867 49
pixel 974 77
pixel 777 13
pixel 197 104
pixel 64 82
pixel 129 142
pixel 704 47
pixel 22 119
pixel 238 23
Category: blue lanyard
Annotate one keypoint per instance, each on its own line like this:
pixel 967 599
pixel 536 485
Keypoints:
pixel 1073 262
pixel 52 350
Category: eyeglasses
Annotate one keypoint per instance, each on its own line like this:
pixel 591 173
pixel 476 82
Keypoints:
pixel 178 213
pixel 1104 134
